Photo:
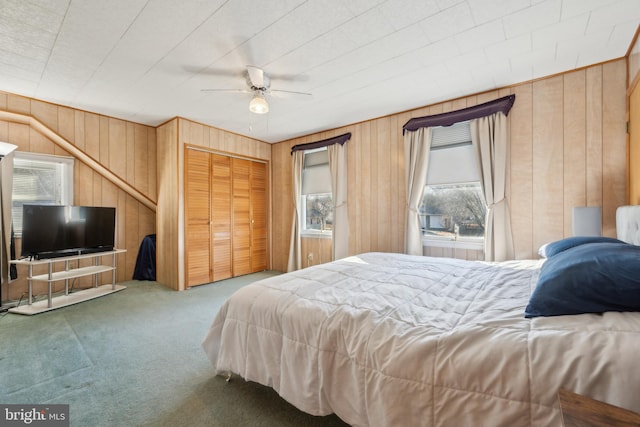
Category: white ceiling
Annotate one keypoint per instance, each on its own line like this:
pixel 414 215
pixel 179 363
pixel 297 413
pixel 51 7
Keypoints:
pixel 147 60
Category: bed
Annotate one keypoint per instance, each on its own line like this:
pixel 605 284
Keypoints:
pixel 384 339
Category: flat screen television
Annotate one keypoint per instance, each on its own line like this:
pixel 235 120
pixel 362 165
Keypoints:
pixel 51 231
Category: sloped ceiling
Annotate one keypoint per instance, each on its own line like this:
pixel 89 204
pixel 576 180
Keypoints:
pixel 148 60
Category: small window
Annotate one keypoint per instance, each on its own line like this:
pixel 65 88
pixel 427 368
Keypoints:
pixel 453 211
pixel 453 205
pixel 317 201
pixel 318 212
pixel 40 179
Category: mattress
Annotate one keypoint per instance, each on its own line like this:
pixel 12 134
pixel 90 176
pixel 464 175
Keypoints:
pixel 385 339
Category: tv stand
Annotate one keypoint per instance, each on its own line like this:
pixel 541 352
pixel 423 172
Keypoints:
pixel 52 303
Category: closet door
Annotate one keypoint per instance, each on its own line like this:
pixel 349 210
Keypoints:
pixel 258 198
pixel 241 171
pixel 221 216
pixel 225 217
pixel 197 217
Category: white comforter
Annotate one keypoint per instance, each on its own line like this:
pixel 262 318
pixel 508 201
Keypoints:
pixel 396 340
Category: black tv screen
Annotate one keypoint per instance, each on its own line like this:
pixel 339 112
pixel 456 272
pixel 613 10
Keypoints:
pixel 53 231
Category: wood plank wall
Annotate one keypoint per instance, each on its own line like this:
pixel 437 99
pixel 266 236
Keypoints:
pixel 127 149
pixel 634 122
pixel 172 137
pixel 567 148
pixel 634 60
pixel 634 146
pixel 168 251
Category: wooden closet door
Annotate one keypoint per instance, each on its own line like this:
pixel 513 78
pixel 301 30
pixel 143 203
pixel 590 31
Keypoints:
pixel 241 171
pixel 258 199
pixel 221 200
pixel 197 217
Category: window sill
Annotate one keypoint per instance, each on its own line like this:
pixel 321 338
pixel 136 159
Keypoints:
pixel 457 244
pixel 316 234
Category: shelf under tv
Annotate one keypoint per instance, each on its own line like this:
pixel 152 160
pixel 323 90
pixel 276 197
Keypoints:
pixel 54 302
pixel 70 253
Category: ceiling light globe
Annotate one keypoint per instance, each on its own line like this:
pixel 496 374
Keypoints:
pixel 259 105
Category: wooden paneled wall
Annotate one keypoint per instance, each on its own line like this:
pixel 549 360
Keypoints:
pixel 468 254
pixel 634 59
pixel 567 148
pixel 127 149
pixel 634 146
pixel 172 137
pixel 316 250
pixel 634 122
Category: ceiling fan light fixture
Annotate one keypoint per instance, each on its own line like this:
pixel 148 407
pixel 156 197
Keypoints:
pixel 258 104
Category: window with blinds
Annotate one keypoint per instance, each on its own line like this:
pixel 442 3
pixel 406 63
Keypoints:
pixel 451 146
pixel 453 205
pixel 40 179
pixel 317 202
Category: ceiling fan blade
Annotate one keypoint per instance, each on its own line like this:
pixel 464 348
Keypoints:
pixel 256 75
pixel 285 93
pixel 217 72
pixel 227 90
pixel 289 77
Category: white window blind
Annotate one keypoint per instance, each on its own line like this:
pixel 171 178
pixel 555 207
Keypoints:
pixel 452 159
pixel 459 133
pixel 40 179
pixel 316 175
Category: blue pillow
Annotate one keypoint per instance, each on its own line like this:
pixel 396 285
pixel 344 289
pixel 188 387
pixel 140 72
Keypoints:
pixel 550 249
pixel 590 278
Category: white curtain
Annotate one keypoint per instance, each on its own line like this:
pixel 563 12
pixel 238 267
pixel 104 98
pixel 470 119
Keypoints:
pixel 338 167
pixel 490 138
pixel 6 188
pixel 295 250
pixel 417 146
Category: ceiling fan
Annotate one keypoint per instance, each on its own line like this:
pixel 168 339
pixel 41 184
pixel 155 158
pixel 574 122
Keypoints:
pixel 259 84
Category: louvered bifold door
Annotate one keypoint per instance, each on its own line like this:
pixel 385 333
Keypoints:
pixel 225 217
pixel 241 217
pixel 221 200
pixel 258 198
pixel 197 217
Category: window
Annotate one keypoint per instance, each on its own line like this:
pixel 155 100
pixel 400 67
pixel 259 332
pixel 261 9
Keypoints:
pixel 317 201
pixel 453 205
pixel 40 179
pixel 318 211
pixel 454 211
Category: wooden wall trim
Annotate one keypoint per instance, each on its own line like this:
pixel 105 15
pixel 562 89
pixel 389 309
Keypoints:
pixel 633 42
pixel 633 63
pixel 79 154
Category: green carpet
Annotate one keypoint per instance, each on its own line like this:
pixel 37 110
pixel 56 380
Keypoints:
pixel 133 358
